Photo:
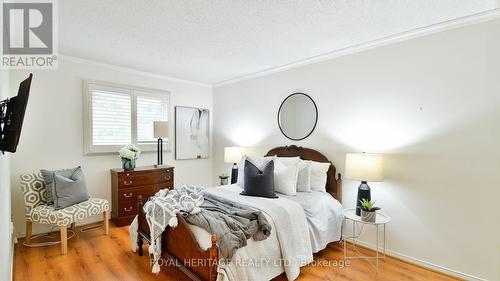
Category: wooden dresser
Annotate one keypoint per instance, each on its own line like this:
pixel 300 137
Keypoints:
pixel 128 185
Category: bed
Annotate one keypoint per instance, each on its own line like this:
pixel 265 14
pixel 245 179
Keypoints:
pixel 322 216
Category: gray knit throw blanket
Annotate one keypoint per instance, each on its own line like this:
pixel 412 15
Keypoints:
pixel 161 211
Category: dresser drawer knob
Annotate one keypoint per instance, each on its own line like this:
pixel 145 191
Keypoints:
pixel 167 177
pixel 128 175
pixel 127 209
pixel 127 182
pixel 127 195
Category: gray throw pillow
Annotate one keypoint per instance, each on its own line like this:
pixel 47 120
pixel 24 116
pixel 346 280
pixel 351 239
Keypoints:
pixel 48 178
pixel 69 190
pixel 259 182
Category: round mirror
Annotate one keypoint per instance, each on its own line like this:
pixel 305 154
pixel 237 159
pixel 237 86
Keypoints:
pixel 297 116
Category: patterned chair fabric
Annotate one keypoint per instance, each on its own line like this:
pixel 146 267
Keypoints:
pixel 64 217
pixel 34 191
pixel 37 210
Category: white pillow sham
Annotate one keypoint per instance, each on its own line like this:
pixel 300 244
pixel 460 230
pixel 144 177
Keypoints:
pixel 285 178
pixel 304 176
pixel 287 161
pixel 318 175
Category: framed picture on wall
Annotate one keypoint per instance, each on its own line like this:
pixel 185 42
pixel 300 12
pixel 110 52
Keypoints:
pixel 192 133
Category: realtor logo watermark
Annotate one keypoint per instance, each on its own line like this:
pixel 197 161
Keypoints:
pixel 29 34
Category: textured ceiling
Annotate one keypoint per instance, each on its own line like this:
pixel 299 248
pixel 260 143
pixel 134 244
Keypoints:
pixel 213 41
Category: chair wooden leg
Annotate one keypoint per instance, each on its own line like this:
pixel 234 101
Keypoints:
pixel 29 226
pixel 105 216
pixel 73 227
pixel 64 240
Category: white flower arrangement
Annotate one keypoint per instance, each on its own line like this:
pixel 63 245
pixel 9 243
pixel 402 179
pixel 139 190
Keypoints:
pixel 130 152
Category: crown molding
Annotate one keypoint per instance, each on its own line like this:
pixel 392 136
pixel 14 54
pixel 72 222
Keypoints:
pixel 407 35
pixel 131 70
pixel 415 33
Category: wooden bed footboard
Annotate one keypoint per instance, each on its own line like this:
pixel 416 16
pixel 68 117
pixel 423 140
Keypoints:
pixel 180 248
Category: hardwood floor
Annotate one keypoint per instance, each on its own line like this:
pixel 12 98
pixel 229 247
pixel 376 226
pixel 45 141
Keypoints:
pixel 95 256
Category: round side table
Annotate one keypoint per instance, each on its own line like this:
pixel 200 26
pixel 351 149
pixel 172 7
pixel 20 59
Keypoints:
pixel 380 222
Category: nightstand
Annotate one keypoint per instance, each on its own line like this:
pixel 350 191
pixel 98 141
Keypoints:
pixel 380 222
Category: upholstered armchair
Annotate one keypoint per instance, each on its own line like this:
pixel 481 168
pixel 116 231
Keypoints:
pixel 37 210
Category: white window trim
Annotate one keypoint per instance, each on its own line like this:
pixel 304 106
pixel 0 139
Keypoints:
pixel 89 148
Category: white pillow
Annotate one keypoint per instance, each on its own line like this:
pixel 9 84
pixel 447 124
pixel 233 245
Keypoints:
pixel 304 176
pixel 259 162
pixel 285 178
pixel 241 170
pixel 318 176
pixel 287 161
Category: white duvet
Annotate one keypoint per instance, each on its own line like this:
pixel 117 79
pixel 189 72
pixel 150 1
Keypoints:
pixel 302 224
pixel 324 217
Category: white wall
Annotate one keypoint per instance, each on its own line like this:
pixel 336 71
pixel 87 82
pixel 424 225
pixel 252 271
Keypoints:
pixel 5 211
pixel 52 136
pixel 431 106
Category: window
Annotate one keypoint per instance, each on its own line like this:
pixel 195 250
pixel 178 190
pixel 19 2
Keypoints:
pixel 111 118
pixel 118 115
pixel 149 109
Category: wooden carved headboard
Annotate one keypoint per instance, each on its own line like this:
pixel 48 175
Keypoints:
pixel 333 184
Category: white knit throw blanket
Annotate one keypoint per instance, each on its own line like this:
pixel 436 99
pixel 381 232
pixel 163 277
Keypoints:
pixel 161 211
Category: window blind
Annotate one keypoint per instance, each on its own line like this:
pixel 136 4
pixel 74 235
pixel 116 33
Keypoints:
pixel 149 109
pixel 111 118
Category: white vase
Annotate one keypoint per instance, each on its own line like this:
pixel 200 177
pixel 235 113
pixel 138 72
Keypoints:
pixel 223 181
pixel 368 216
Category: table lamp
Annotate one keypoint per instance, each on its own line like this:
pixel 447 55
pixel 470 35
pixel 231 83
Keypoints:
pixel 365 168
pixel 160 132
pixel 233 155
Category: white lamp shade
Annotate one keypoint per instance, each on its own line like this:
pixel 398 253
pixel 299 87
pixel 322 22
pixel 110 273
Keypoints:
pixel 364 167
pixel 233 154
pixel 160 129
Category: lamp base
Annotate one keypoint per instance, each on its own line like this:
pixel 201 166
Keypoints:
pixel 234 174
pixel 363 193
pixel 159 148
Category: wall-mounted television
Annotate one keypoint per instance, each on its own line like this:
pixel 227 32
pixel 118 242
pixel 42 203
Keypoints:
pixel 12 115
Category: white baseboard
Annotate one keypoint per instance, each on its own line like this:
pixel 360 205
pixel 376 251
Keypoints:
pixel 12 263
pixel 14 240
pixel 423 263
